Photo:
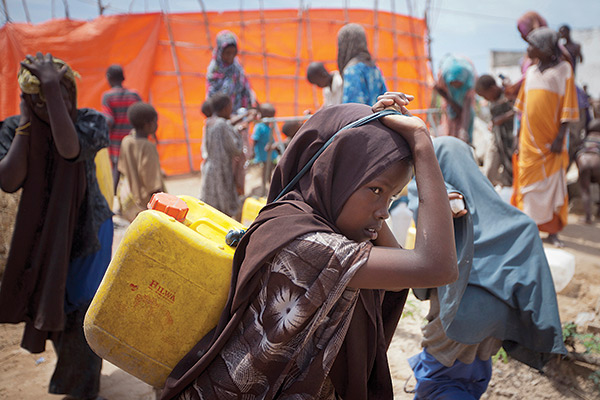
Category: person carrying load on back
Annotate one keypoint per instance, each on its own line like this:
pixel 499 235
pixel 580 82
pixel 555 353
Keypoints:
pixel 319 282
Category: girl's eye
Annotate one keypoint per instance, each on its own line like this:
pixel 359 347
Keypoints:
pixel 394 198
pixel 376 190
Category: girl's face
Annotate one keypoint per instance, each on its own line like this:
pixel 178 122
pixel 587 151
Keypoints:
pixel 366 209
pixel 228 54
pixel 456 84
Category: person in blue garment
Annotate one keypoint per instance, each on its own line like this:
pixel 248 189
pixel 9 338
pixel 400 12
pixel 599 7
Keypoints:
pixel 363 81
pixel 456 82
pixel 504 296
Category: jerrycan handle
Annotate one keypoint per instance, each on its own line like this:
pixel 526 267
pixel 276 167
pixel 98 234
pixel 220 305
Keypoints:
pixel 169 204
pixel 234 236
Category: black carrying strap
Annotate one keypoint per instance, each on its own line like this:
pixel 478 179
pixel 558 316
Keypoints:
pixel 234 236
pixel 360 122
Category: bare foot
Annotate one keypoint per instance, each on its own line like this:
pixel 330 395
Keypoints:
pixel 553 238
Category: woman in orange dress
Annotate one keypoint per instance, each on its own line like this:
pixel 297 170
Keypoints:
pixel 548 102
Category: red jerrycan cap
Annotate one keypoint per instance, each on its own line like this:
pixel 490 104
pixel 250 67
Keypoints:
pixel 170 204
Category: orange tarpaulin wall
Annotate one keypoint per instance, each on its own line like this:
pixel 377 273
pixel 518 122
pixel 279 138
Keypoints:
pixel 165 57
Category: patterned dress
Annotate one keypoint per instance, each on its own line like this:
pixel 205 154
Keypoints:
pixel 291 333
pixel 220 144
pixel 362 84
pixel 229 79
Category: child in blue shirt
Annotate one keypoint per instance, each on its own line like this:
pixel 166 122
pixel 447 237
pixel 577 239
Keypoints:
pixel 262 135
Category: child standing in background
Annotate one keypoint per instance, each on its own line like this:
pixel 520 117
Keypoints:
pixel 139 162
pixel 588 164
pixel 498 159
pixel 221 143
pixel 331 83
pixel 263 137
pixel 115 103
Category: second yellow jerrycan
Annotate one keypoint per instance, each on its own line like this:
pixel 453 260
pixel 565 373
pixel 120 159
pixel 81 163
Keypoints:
pixel 251 208
pixel 164 289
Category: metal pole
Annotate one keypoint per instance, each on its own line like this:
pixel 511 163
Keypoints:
pixel 419 60
pixel 428 32
pixel 346 17
pixel 66 4
pixel 181 94
pixel 264 48
pixel 242 54
pixel 395 47
pixel 376 28
pixel 309 41
pixel 5 9
pixel 298 53
pixel 26 11
pixel 206 27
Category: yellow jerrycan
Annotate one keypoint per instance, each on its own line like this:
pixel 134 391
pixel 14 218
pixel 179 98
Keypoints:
pixel 104 176
pixel 251 208
pixel 164 289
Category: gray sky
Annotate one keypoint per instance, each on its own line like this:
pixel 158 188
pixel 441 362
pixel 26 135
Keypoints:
pixel 468 27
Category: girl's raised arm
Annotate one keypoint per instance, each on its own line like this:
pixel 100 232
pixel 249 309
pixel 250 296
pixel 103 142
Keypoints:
pixel 432 262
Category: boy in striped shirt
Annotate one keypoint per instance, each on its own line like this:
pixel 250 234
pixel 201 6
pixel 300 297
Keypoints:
pixel 115 103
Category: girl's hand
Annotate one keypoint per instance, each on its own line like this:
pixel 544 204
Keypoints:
pixel 557 145
pixel 395 100
pixel 252 115
pixel 456 213
pixel 25 111
pixel 408 126
pixel 43 68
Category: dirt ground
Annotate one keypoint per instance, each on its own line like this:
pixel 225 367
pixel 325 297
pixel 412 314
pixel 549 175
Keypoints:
pixel 26 376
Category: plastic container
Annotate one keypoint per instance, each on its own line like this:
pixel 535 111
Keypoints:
pixel 562 267
pixel 169 204
pixel 410 236
pixel 163 291
pixel 104 176
pixel 251 208
pixel 399 221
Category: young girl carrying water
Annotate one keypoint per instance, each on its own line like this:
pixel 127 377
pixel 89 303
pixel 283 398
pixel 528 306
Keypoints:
pixel 318 279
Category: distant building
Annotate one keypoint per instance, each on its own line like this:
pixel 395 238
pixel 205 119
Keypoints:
pixel 506 63
pixel 588 72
